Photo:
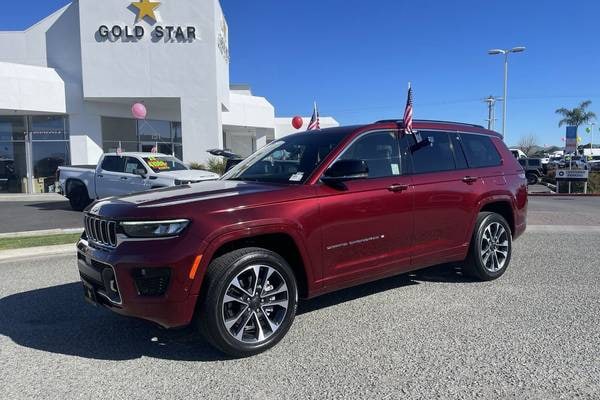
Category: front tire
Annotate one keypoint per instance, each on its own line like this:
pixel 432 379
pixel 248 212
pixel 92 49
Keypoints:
pixel 249 303
pixel 491 247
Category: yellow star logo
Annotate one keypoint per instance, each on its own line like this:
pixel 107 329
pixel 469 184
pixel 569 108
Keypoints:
pixel 145 9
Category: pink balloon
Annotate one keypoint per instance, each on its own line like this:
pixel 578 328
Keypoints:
pixel 138 110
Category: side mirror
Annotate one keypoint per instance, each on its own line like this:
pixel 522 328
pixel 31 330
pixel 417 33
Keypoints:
pixel 346 170
pixel 140 172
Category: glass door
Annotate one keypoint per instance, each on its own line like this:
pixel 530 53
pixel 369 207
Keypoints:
pixel 13 155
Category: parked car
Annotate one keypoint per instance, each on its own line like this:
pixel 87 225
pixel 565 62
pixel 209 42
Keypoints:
pixel 533 169
pixel 594 164
pixel 119 174
pixel 308 214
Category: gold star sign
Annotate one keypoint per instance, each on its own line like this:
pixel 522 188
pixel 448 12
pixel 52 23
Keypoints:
pixel 145 9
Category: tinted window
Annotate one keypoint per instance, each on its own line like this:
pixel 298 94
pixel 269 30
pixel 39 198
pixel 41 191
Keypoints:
pixel 459 155
pixel 523 162
pixel 132 164
pixel 433 154
pixel 535 163
pixel 480 150
pixel 113 164
pixel 379 150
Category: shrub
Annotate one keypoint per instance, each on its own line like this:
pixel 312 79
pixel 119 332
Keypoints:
pixel 214 164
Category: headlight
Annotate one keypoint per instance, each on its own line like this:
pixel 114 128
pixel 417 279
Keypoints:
pixel 150 229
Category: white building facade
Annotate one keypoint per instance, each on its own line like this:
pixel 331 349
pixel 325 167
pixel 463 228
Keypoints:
pixel 69 81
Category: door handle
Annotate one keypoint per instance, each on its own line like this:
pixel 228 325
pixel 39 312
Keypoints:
pixel 124 178
pixel 469 179
pixel 397 188
pixel 100 176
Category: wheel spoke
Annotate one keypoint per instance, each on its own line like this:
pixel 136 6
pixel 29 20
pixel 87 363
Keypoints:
pixel 259 329
pixel 240 334
pixel 256 271
pixel 486 258
pixel 229 298
pixel 231 322
pixel 282 303
pixel 272 325
pixel 495 261
pixel 282 288
pixel 236 283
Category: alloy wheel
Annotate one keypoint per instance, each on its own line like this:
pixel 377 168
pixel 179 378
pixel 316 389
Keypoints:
pixel 494 247
pixel 255 304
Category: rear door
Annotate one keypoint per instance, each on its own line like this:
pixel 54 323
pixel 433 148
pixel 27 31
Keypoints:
pixel 367 227
pixel 445 196
pixel 111 176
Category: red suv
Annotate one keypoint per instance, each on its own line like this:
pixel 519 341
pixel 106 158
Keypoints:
pixel 305 215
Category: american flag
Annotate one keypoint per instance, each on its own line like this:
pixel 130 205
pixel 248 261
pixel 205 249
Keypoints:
pixel 314 121
pixel 408 112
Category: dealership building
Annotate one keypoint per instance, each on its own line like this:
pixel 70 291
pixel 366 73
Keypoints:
pixel 68 83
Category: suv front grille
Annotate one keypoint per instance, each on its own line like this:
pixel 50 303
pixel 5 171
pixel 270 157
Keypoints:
pixel 100 230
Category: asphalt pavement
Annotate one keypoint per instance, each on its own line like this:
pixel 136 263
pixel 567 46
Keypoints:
pixel 533 333
pixel 19 216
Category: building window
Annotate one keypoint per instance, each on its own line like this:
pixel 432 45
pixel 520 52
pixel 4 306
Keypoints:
pixel 38 144
pixel 143 135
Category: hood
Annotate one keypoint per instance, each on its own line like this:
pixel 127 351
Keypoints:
pixel 208 195
pixel 189 175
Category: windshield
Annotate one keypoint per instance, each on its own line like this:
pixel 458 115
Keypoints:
pixel 163 164
pixel 289 160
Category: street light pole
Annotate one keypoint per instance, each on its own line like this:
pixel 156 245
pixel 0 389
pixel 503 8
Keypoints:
pixel 505 97
pixel 505 53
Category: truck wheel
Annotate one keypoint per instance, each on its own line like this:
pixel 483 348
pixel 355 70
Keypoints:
pixel 532 179
pixel 490 249
pixel 249 302
pixel 78 198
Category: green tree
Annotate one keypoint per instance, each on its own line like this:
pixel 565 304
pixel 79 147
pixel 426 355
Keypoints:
pixel 576 116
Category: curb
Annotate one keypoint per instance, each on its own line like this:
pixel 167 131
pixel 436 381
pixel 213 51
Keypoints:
pixel 564 194
pixel 45 232
pixel 41 197
pixel 28 252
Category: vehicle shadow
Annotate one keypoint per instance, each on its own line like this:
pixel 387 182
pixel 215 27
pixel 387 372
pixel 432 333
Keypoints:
pixel 53 206
pixel 58 320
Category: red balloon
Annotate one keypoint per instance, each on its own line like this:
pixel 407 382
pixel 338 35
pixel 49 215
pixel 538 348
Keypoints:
pixel 297 122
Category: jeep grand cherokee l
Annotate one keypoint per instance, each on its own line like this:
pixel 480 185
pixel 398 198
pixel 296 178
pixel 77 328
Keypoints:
pixel 308 214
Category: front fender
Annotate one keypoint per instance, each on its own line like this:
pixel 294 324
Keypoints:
pixel 248 230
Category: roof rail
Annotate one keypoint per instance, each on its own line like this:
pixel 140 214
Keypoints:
pixel 400 121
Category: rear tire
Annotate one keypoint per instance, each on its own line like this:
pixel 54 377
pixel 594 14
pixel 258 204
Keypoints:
pixel 491 247
pixel 249 301
pixel 78 198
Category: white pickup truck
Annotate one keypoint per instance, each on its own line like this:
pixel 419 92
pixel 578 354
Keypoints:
pixel 120 174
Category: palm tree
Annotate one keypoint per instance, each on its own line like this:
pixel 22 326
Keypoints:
pixel 577 116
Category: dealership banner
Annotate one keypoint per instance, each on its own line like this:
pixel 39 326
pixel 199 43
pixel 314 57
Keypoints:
pixel 571 139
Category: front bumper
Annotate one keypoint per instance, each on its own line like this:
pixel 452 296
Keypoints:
pixel 112 279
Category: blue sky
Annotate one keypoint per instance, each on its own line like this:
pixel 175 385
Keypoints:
pixel 355 57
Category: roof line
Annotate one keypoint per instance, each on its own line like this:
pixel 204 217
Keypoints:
pixel 401 121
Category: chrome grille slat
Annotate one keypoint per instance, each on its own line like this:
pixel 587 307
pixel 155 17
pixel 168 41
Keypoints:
pixel 101 231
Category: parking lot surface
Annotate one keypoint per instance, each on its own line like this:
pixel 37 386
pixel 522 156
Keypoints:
pixel 19 216
pixel 433 334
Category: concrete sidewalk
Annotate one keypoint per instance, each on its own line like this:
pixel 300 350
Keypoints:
pixel 39 197
pixel 35 252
